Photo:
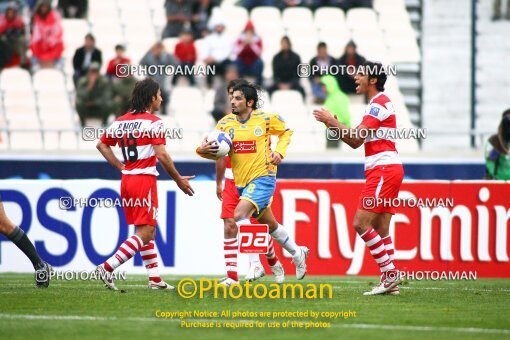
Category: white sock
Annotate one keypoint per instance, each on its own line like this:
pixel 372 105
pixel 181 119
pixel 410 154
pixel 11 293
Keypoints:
pixel 281 236
pixel 254 258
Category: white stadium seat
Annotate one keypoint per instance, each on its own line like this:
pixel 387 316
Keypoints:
pixel 359 18
pixel 15 79
pixel 265 18
pixel 330 17
pixel 297 16
pixel 21 140
pixel 49 80
pixel 286 97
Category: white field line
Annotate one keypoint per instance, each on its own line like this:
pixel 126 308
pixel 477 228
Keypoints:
pixel 350 325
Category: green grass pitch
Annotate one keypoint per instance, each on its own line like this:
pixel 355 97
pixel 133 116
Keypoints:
pixel 424 310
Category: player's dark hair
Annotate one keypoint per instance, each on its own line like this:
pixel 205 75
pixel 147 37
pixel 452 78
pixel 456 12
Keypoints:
pixel 143 94
pixel 322 44
pixel 251 92
pixel 233 83
pixel 375 70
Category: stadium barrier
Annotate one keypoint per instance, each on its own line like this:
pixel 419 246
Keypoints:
pixel 439 226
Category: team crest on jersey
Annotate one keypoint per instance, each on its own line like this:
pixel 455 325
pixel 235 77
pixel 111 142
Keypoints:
pixel 374 111
pixel 231 133
pixel 258 131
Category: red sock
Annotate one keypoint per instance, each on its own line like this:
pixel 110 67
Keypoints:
pixel 126 251
pixel 388 245
pixel 271 256
pixel 150 261
pixel 375 243
pixel 230 251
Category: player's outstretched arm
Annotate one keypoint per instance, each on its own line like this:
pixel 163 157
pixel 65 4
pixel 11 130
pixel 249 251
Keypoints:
pixel 221 166
pixel 168 165
pixel 351 137
pixel 108 154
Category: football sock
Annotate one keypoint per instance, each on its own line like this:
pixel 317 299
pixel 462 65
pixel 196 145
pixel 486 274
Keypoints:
pixel 388 245
pixel 281 236
pixel 375 244
pixel 20 239
pixel 271 256
pixel 150 261
pixel 126 251
pixel 254 258
pixel 230 252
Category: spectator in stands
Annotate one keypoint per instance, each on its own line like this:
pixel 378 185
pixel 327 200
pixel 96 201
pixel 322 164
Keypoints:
pixel 248 52
pixel 350 60
pixel 201 12
pixel 73 8
pixel 13 45
pixel 348 4
pixel 285 64
pixel 217 47
pixel 84 56
pixel 337 102
pixel 119 59
pixel 178 14
pixel 186 55
pixel 158 56
pixel 46 42
pixel 323 60
pixel 93 95
pixel 222 104
pixel 251 4
pixel 497 151
pixel 122 88
pixel 497 9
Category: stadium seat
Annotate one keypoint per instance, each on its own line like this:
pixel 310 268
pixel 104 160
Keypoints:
pixel 385 6
pixel 326 17
pixel 19 99
pixel 25 140
pixel 74 33
pixel 186 97
pixel 15 79
pixel 265 18
pixel 137 16
pixel 361 18
pixel 297 16
pixel 157 5
pixel 170 44
pixel 236 18
pixel 209 100
pixel 49 81
pixel 286 97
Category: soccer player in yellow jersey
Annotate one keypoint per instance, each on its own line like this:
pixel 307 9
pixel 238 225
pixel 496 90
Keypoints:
pixel 254 166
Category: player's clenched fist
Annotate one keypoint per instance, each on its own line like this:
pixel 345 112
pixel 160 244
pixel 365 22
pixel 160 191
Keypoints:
pixel 209 148
pixel 276 158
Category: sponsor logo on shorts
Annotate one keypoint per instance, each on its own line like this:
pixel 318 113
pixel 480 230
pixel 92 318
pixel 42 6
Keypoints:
pixel 253 238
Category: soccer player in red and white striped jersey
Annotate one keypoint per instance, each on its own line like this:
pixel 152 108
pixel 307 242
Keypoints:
pixel 383 171
pixel 141 136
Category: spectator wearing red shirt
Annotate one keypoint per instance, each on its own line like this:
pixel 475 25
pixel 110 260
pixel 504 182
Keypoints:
pixel 46 42
pixel 111 69
pixel 12 37
pixel 248 51
pixel 186 55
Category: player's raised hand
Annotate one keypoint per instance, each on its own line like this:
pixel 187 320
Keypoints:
pixel 183 184
pixel 322 115
pixel 276 158
pixel 209 148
